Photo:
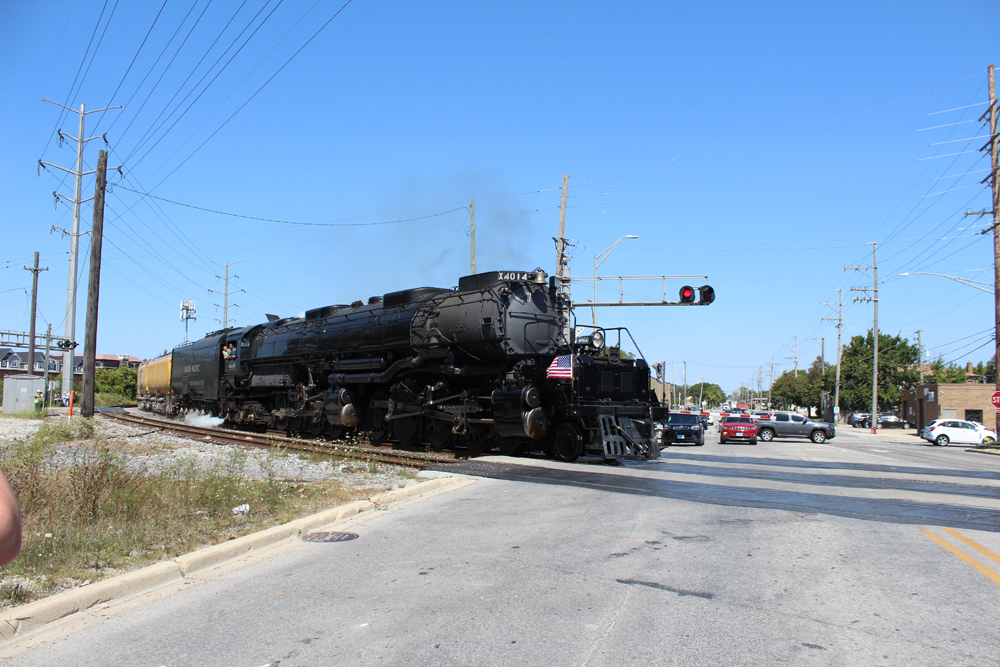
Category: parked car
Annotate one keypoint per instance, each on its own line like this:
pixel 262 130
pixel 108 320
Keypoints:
pixel 793 425
pixel 682 429
pixel 738 428
pixel 885 420
pixel 943 432
pixel 856 418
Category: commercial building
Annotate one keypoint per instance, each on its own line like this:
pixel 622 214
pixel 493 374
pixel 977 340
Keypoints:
pixel 969 401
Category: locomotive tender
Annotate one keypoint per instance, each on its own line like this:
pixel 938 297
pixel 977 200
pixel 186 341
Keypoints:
pixel 469 367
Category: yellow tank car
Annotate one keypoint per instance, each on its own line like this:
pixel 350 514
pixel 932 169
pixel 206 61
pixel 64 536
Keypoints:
pixel 154 385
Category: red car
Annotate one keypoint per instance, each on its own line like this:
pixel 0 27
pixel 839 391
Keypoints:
pixel 738 428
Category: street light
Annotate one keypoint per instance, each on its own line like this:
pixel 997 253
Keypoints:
pixel 975 284
pixel 603 256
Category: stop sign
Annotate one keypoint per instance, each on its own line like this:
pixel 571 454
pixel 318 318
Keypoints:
pixel 996 399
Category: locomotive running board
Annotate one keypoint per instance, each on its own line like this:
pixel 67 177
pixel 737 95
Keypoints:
pixel 620 438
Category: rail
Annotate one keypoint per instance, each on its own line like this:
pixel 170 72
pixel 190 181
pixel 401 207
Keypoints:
pixel 226 436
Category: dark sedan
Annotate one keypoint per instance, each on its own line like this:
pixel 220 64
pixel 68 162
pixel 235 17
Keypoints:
pixel 885 420
pixel 682 429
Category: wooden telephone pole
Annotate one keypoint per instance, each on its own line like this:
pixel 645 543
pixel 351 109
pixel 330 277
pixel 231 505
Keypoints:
pixel 34 307
pixel 94 288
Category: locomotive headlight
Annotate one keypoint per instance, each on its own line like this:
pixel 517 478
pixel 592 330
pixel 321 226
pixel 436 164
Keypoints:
pixel 597 340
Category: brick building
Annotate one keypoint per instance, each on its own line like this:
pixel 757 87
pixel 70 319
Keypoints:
pixel 969 401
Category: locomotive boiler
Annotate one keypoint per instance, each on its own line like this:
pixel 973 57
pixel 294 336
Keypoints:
pixel 481 366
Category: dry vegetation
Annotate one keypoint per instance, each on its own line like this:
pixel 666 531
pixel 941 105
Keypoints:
pixel 91 511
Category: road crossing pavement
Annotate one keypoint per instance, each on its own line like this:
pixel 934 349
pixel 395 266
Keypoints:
pixel 781 553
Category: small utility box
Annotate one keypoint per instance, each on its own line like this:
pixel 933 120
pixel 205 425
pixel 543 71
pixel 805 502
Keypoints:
pixel 19 393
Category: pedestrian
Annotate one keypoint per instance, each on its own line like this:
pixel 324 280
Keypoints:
pixel 39 400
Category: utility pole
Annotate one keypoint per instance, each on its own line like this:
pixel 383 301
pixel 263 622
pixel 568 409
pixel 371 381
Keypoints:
pixel 993 145
pixel 994 159
pixel 874 299
pixel 226 294
pixel 48 343
pixel 34 304
pixel 672 384
pixel 94 288
pixel 684 397
pixel 771 385
pixel 472 215
pixel 920 352
pixel 840 324
pixel 822 353
pixel 562 262
pixel 74 233
pixel 794 347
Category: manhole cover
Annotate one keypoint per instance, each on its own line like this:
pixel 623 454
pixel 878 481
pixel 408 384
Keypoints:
pixel 329 537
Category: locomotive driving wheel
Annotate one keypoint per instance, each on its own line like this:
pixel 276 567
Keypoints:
pixel 437 433
pixel 316 427
pixel 375 423
pixel 406 431
pixel 478 438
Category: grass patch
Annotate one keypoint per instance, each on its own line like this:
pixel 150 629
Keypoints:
pixel 27 415
pixel 92 512
pixel 102 400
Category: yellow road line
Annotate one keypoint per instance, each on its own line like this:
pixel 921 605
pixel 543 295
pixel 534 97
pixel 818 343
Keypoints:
pixel 964 557
pixel 975 545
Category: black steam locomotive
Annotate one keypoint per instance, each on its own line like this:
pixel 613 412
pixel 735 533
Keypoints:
pixel 485 365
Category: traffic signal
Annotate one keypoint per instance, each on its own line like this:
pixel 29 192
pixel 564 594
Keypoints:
pixel 687 294
pixel 706 294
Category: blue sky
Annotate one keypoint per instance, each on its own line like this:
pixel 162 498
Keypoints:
pixel 759 144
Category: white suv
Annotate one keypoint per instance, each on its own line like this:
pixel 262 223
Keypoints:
pixel 944 431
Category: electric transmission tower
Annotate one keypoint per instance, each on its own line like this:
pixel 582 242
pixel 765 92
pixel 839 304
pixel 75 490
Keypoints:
pixel 74 233
pixel 225 293
pixel 873 292
pixel 839 319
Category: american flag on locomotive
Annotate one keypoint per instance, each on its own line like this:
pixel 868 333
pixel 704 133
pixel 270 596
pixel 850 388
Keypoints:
pixel 561 367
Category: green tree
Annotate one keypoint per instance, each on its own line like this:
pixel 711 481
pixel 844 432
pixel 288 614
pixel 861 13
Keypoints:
pixel 712 394
pixel 897 360
pixel 121 381
pixel 815 384
pixel 987 371
pixel 950 374
pixel 791 389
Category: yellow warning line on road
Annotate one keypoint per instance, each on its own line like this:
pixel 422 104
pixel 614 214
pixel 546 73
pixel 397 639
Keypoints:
pixel 975 545
pixel 964 557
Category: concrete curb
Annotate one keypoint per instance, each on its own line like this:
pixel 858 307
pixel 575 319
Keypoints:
pixel 27 619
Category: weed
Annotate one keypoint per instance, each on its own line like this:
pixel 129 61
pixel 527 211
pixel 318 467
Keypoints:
pixel 64 430
pixel 41 414
pixel 88 513
pixel 108 400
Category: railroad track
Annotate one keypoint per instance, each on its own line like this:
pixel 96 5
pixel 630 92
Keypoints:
pixel 225 436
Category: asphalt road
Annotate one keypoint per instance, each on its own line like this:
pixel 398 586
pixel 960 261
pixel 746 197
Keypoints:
pixel 866 550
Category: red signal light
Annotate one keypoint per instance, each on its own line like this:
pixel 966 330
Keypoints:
pixel 687 294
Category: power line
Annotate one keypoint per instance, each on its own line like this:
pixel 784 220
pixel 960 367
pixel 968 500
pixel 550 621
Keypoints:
pixel 69 95
pixel 209 71
pixel 280 69
pixel 292 222
pixel 129 69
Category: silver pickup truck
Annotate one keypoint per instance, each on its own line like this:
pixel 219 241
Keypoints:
pixel 793 425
